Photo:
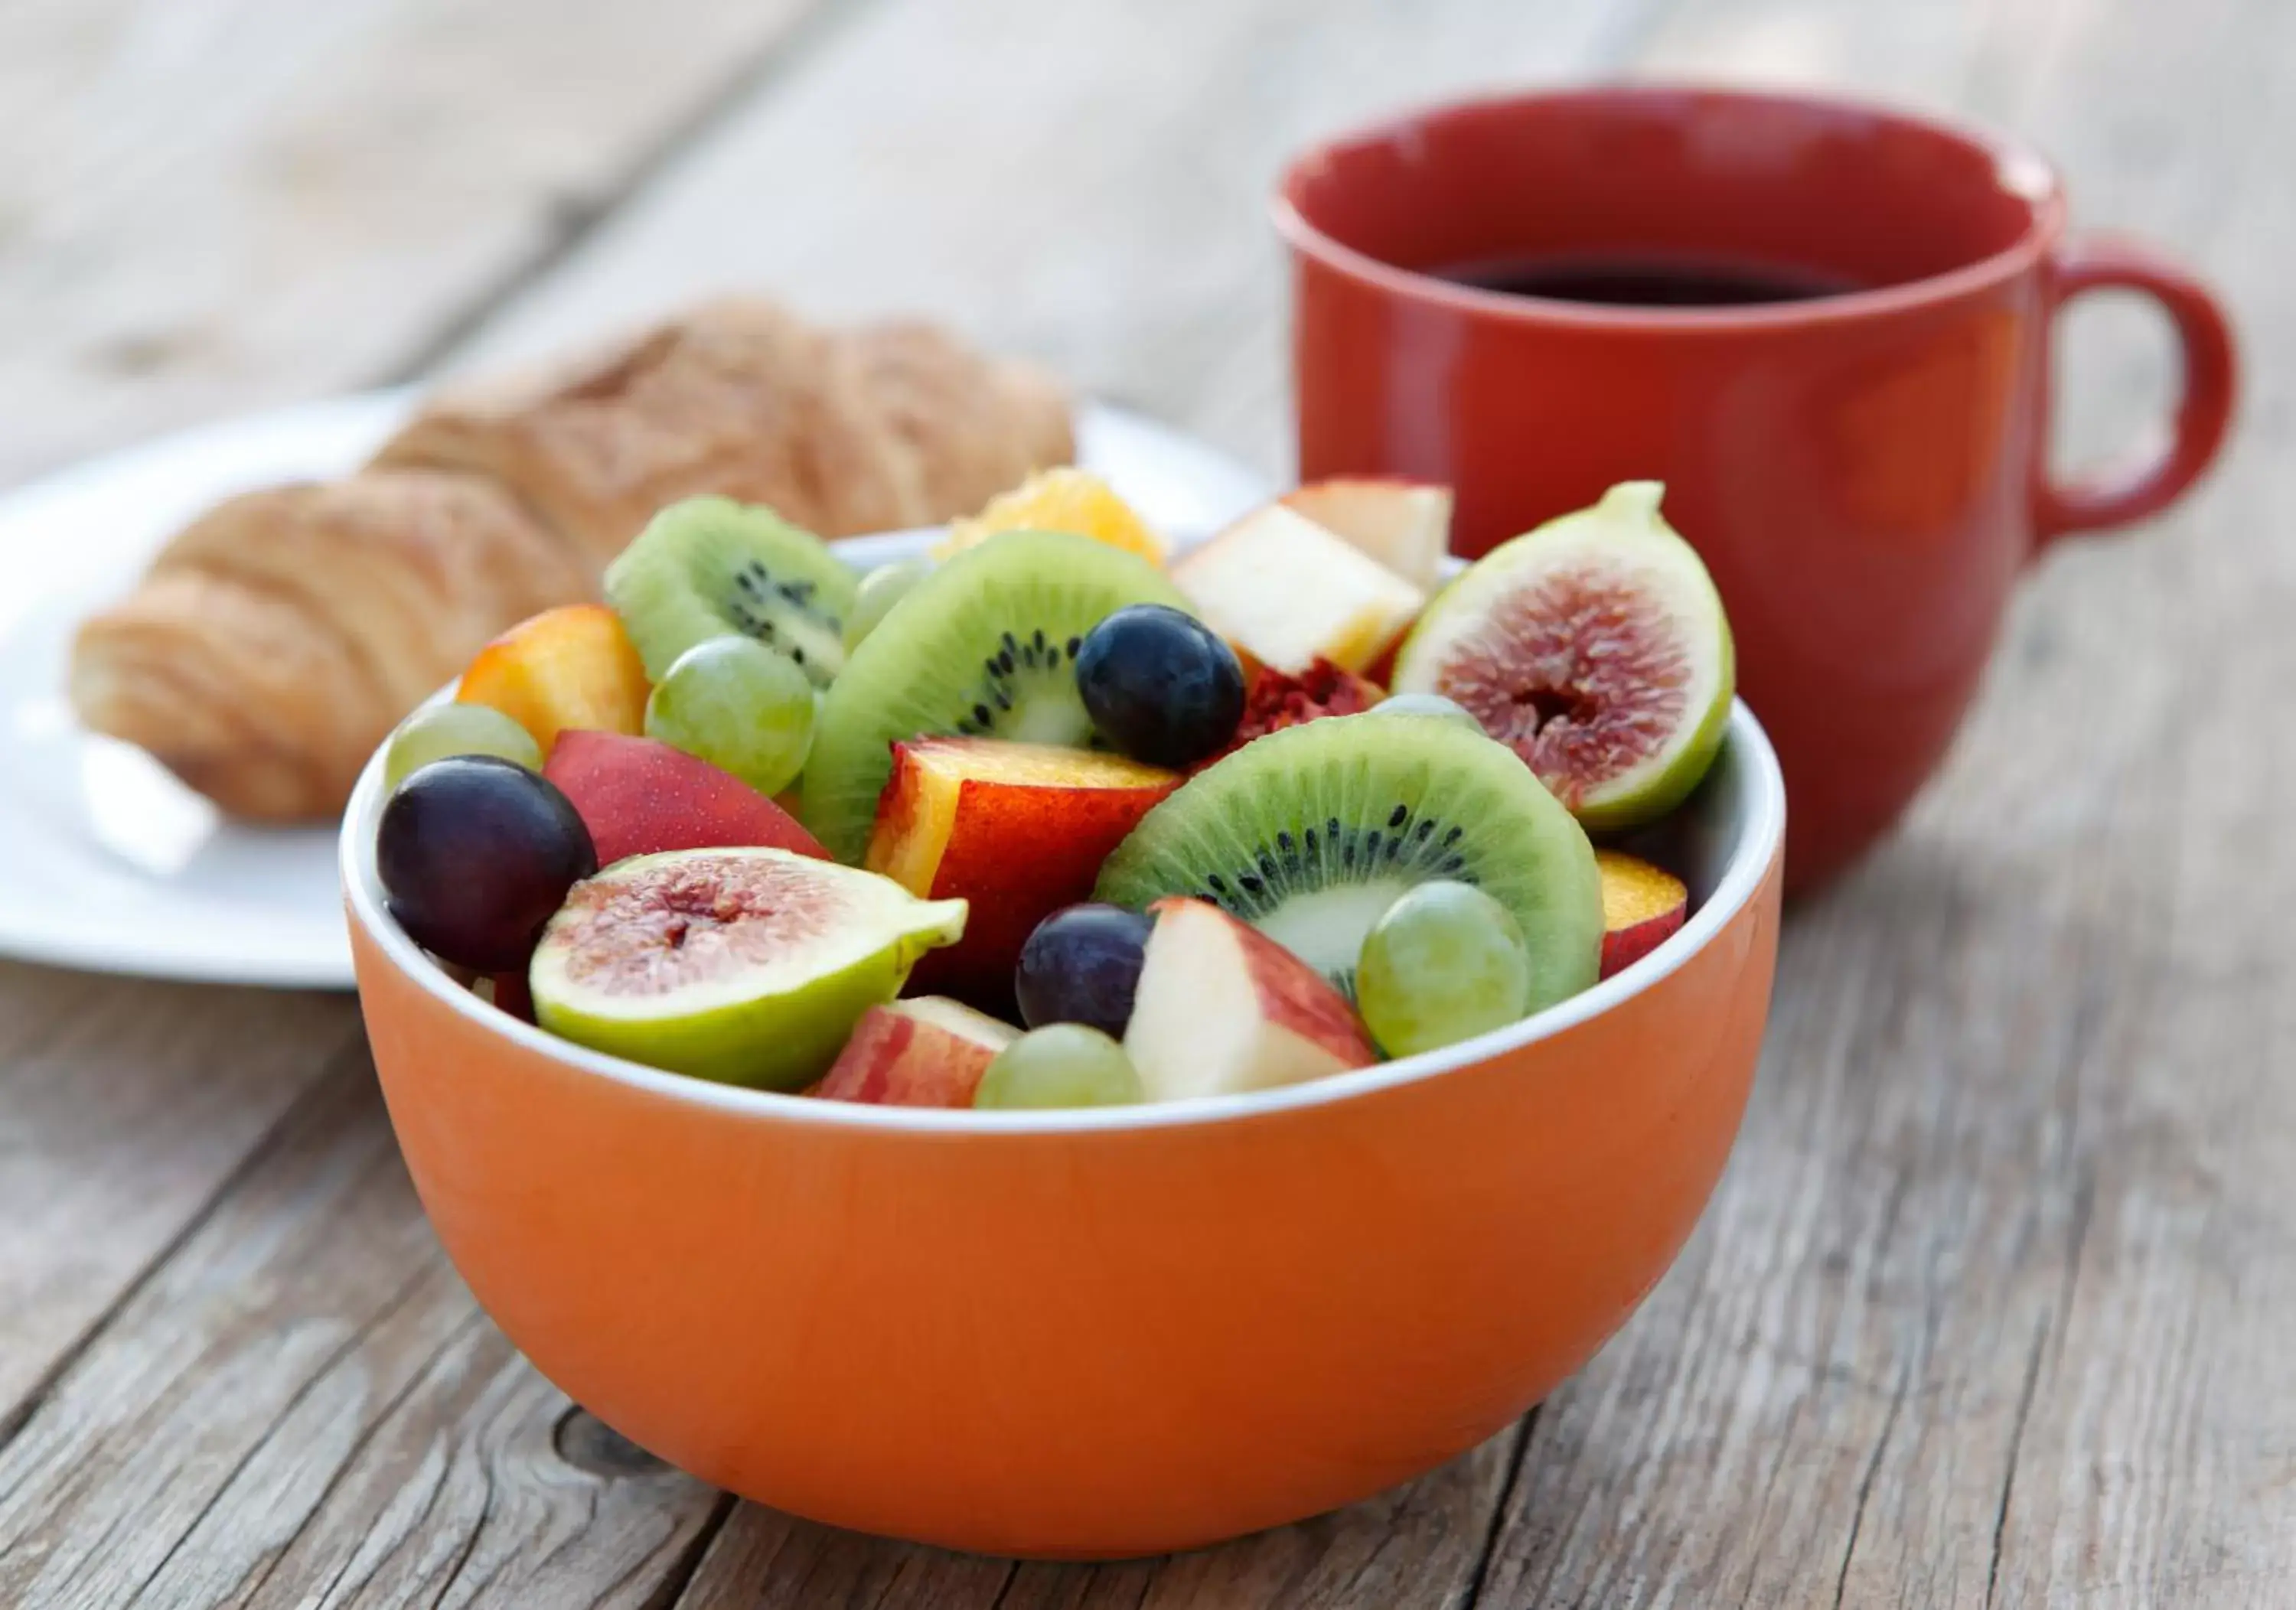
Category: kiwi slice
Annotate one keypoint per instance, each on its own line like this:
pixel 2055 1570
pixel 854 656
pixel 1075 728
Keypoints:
pixel 984 647
pixel 1311 833
pixel 708 567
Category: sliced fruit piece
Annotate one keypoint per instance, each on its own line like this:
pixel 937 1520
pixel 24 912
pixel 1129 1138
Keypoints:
pixel 475 853
pixel 1066 1064
pixel 1641 905
pixel 569 667
pixel 1065 499
pixel 1594 647
pixel 1222 1009
pixel 985 647
pixel 1277 700
pixel 926 1051
pixel 709 565
pixel 640 796
pixel 1311 833
pixel 1286 591
pixel 1405 525
pixel 510 995
pixel 1446 963
pixel 1019 830
pixel 749 966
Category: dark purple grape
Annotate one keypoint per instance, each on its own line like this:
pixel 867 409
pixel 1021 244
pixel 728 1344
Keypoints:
pixel 477 854
pixel 1161 686
pixel 1081 966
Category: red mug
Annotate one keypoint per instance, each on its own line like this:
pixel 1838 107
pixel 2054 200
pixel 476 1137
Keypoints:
pixel 1866 471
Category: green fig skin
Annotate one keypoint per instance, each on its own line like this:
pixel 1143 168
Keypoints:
pixel 781 1043
pixel 779 1027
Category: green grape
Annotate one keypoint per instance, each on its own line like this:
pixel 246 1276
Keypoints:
pixel 880 590
pixel 1061 1065
pixel 1428 704
pixel 740 706
pixel 1445 963
pixel 436 732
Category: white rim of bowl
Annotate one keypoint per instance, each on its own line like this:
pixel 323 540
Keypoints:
pixel 1761 814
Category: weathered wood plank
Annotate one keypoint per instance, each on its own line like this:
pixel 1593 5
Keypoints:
pixel 205 208
pixel 305 1408
pixel 123 1109
pixel 1085 183
pixel 1985 1311
pixel 1419 1545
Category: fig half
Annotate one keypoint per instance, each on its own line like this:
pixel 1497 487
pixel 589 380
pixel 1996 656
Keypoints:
pixel 1596 648
pixel 746 965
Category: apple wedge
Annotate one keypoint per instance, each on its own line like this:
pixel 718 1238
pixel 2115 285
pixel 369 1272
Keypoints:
pixel 926 1051
pixel 1405 525
pixel 1641 905
pixel 1222 1009
pixel 1017 830
pixel 1286 592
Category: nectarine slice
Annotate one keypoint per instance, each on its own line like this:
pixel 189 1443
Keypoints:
pixel 573 666
pixel 1019 830
pixel 1641 905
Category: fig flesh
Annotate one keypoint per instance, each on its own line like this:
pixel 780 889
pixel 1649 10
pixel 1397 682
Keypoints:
pixel 1596 647
pixel 746 965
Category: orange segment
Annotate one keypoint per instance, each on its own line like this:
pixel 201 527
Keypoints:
pixel 1060 499
pixel 569 667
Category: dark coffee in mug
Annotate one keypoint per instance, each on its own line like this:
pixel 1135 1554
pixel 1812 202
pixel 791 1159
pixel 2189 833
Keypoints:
pixel 1824 326
pixel 1649 280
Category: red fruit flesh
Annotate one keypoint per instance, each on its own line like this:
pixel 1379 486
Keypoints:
pixel 638 796
pixel 1018 830
pixel 684 922
pixel 1585 677
pixel 513 996
pixel 1277 700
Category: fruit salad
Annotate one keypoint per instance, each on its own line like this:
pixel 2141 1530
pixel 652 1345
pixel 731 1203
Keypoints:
pixel 1045 821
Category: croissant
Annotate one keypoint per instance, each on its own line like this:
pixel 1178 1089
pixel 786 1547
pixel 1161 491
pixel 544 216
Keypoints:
pixel 278 639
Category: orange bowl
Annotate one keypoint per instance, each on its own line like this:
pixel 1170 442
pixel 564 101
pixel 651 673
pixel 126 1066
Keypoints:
pixel 1095 1333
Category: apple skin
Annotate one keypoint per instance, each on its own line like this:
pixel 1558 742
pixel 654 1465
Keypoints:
pixel 1405 525
pixel 573 666
pixel 1641 905
pixel 927 1051
pixel 1017 831
pixel 638 796
pixel 1222 1009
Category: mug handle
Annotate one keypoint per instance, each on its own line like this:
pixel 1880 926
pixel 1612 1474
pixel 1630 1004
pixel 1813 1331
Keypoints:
pixel 2203 411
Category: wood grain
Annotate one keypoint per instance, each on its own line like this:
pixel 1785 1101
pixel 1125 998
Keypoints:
pixel 1088 184
pixel 1982 1313
pixel 209 207
pixel 305 1408
pixel 1992 1307
pixel 124 1109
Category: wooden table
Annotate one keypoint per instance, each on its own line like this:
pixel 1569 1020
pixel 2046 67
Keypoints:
pixel 1998 1303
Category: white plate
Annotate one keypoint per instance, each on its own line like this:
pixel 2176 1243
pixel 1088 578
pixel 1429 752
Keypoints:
pixel 106 862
